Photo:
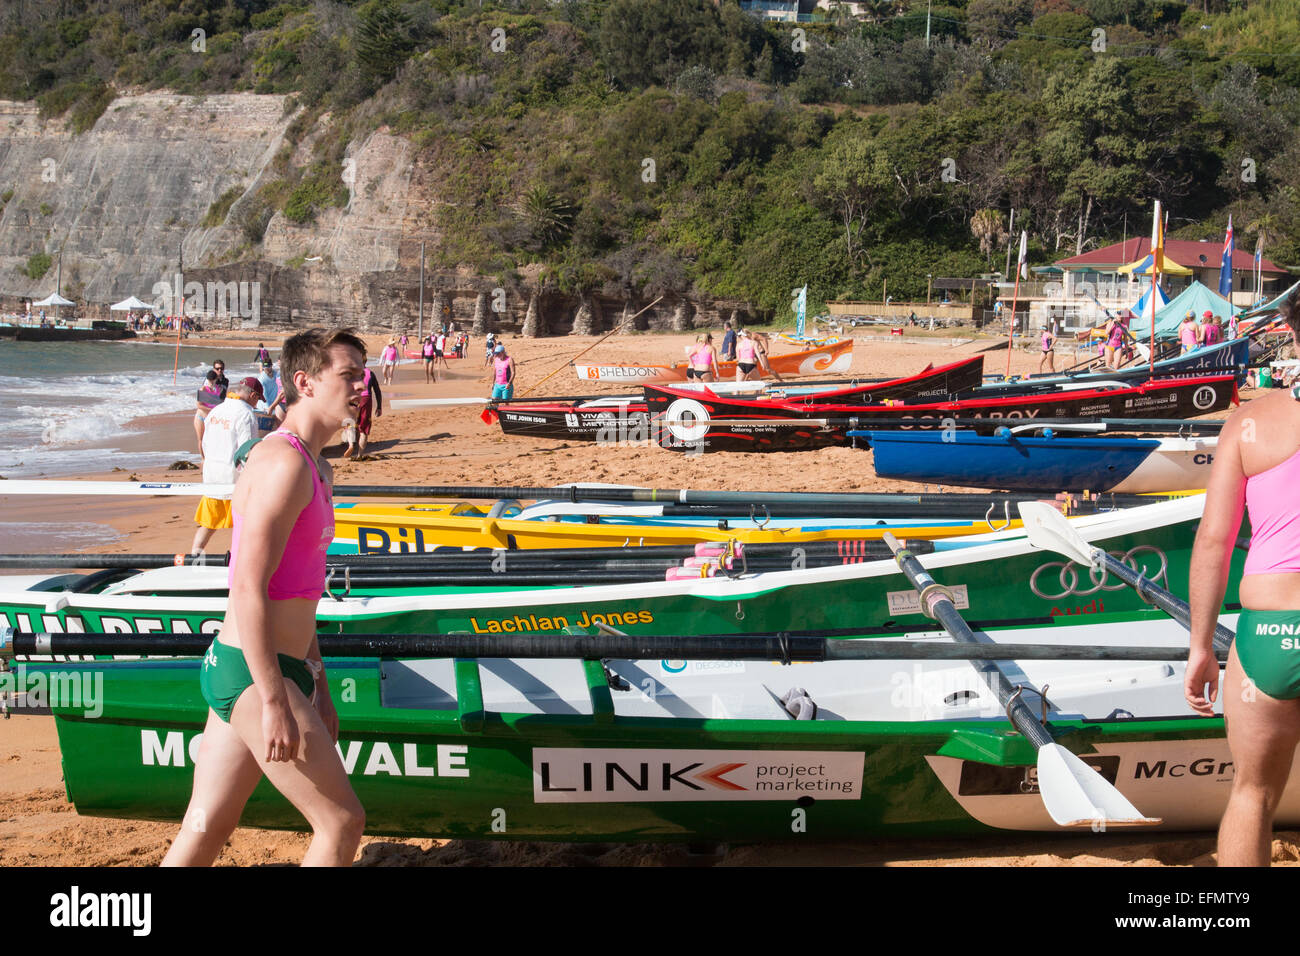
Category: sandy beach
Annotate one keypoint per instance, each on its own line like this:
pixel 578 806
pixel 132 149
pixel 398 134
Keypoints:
pixel 451 445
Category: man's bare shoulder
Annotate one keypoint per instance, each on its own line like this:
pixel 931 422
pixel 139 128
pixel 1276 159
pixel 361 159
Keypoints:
pixel 275 460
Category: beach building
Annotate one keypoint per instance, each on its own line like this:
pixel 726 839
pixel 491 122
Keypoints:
pixel 1076 292
pixel 785 11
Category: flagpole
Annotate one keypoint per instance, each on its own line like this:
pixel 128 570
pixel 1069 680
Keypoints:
pixel 180 264
pixel 1022 260
pixel 1011 328
pixel 1157 250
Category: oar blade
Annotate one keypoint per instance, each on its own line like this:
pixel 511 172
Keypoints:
pixel 1047 528
pixel 1077 796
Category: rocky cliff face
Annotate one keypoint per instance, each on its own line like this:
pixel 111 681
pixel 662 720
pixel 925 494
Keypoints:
pixel 119 203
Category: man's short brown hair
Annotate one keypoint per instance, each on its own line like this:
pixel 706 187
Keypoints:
pixel 309 352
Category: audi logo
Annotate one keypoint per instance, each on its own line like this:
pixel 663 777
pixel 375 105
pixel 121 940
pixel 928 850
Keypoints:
pixel 1067 573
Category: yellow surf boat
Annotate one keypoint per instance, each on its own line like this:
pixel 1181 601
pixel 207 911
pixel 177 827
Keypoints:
pixel 371 527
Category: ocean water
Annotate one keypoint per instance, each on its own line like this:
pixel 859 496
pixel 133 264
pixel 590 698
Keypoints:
pixel 76 407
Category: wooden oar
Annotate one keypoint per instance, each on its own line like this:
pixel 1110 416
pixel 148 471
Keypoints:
pixel 1075 795
pixel 1047 529
pixel 784 648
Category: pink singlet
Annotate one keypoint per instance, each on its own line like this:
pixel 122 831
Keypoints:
pixel 702 358
pixel 745 352
pixel 1274 519
pixel 301 572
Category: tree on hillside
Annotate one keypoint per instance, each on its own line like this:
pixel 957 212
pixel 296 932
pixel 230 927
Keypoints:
pixel 385 38
pixel 549 217
pixel 1094 150
pixel 648 42
pixel 1266 228
pixel 994 22
pixel 852 181
pixel 988 227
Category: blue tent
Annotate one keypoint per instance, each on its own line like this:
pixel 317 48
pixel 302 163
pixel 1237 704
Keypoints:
pixel 1196 298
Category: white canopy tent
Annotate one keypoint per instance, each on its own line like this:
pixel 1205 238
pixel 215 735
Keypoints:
pixel 130 305
pixel 53 299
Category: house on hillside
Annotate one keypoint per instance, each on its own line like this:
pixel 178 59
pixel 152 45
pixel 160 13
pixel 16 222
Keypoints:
pixel 1076 292
pixel 787 11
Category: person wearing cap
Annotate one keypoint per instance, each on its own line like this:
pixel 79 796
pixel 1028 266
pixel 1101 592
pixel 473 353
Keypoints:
pixel 388 360
pixel 270 386
pixel 228 426
pixel 1188 333
pixel 503 375
pixel 1213 334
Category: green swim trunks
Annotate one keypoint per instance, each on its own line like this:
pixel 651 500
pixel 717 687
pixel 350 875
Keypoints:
pixel 224 676
pixel 1268 646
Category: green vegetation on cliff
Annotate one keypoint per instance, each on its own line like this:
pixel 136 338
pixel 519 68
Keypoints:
pixel 644 146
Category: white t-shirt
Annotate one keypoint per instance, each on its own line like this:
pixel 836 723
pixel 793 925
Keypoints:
pixel 227 427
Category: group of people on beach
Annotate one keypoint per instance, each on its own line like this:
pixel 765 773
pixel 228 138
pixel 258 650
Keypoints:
pixel 149 322
pixel 1194 333
pixel 435 349
pixel 747 349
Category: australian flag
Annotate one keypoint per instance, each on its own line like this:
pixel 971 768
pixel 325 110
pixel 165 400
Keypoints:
pixel 1225 267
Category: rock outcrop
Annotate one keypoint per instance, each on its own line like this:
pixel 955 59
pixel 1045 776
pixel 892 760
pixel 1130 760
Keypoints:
pixel 163 179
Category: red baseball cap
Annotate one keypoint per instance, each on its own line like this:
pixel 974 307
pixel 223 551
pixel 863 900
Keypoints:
pixel 254 386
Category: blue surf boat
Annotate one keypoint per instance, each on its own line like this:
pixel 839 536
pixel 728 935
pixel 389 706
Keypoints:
pixel 1051 461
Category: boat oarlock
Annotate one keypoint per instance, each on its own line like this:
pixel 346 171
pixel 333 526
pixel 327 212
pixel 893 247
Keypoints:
pixel 1074 794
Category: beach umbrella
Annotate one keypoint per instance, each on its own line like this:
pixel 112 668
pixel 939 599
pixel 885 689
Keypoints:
pixel 1143 305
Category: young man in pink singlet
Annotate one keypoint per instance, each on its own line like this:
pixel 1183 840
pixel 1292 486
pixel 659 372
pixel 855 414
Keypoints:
pixel 270 708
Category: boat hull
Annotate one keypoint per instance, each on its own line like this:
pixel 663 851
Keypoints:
pixel 626 421
pixel 1004 580
pixel 555 750
pixel 692 423
pixel 833 358
pixel 403 529
pixel 1061 463
pixel 1227 357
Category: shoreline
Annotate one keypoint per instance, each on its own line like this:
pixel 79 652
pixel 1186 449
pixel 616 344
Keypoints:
pixel 450 445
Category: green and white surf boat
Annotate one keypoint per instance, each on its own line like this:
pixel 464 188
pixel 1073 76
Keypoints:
pixel 999 580
pixel 628 746
pixel 660 749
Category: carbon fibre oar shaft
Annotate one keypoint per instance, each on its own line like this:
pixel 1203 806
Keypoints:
pixel 702 647
pixel 139 561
